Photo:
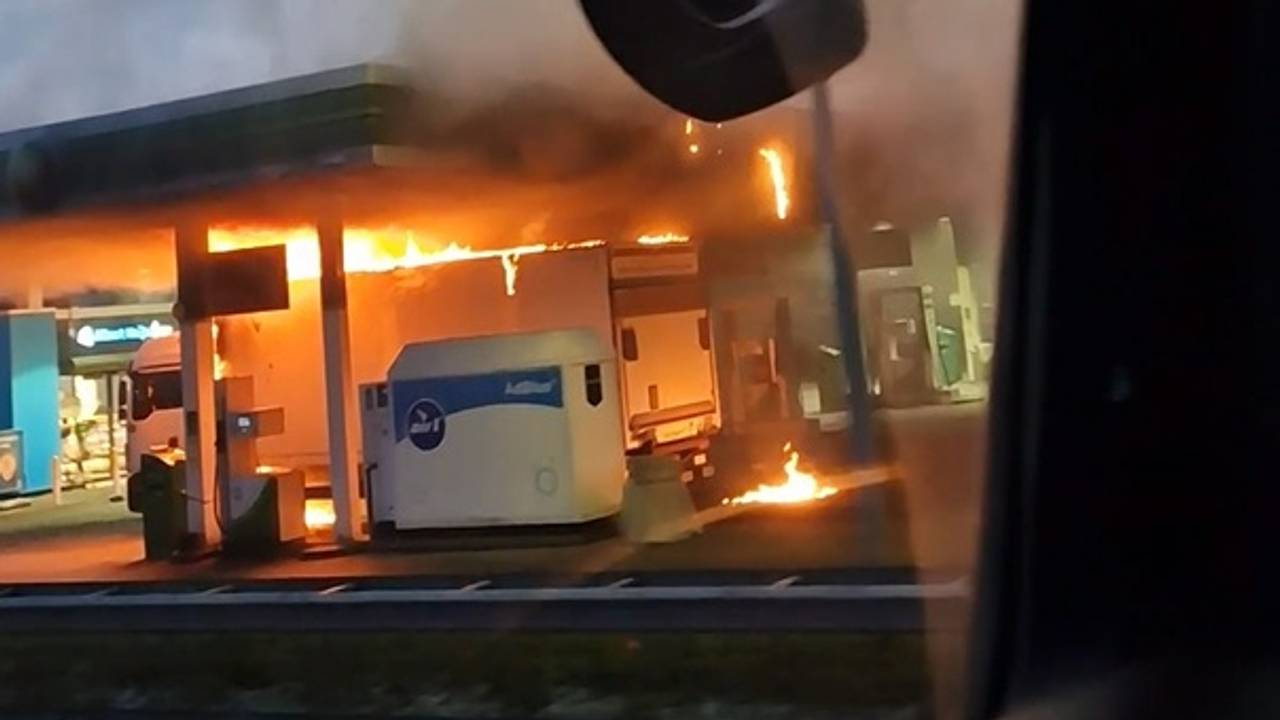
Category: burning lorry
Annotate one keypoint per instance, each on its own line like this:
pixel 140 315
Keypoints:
pixel 623 329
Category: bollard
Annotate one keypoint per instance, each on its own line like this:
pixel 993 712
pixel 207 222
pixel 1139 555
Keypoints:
pixel 55 479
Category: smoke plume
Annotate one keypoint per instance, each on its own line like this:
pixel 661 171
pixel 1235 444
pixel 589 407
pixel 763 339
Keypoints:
pixel 532 122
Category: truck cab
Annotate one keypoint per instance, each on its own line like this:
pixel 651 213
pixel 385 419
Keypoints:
pixel 151 400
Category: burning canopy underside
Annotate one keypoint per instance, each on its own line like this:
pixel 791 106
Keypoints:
pixel 365 143
pixel 91 204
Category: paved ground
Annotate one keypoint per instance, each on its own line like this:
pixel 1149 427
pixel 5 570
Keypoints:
pixel 820 537
pixel 82 510
pixel 927 519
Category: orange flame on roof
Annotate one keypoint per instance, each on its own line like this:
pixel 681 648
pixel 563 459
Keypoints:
pixel 373 251
pixel 777 176
pixel 663 239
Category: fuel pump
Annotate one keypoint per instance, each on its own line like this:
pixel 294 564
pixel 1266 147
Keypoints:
pixel 260 508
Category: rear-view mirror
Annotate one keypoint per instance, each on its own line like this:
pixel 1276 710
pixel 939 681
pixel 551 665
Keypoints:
pixel 720 59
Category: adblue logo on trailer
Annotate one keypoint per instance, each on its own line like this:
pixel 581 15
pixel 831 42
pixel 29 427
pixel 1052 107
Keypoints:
pixel 425 424
pixel 531 387
pixel 424 405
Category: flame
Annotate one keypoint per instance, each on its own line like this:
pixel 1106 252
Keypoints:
pixel 781 198
pixel 220 366
pixel 688 126
pixel 799 486
pixel 318 514
pixel 368 250
pixel 510 266
pixel 663 239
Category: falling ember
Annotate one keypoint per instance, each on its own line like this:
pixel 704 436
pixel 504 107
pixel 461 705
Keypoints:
pixel 693 148
pixel 799 486
pixel 510 266
pixel 688 126
pixel 663 239
pixel 781 198
pixel 318 514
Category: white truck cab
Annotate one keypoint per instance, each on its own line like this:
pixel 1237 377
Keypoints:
pixel 151 400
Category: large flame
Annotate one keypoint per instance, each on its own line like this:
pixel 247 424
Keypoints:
pixel 777 176
pixel 371 251
pixel 799 487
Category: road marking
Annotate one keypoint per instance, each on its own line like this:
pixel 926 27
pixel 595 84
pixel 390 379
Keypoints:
pixel 474 586
pixel 785 582
pixel 953 590
pixel 217 589
pixel 335 589
pixel 621 583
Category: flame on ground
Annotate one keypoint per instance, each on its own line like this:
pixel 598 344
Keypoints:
pixel 374 251
pixel 663 239
pixel 799 487
pixel 777 176
pixel 318 514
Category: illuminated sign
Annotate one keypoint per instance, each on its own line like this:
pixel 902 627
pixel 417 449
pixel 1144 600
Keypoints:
pixel 652 264
pixel 89 336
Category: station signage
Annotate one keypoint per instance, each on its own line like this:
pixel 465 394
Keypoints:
pixel 91 335
pixel 103 338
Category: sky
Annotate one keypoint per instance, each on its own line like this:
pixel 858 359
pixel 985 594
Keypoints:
pixel 62 59
pixel 70 58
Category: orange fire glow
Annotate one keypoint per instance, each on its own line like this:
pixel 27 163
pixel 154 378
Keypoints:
pixel 220 367
pixel 372 251
pixel 663 239
pixel 799 487
pixel 318 514
pixel 777 176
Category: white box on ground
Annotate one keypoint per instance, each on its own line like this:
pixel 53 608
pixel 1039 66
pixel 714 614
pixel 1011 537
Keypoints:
pixel 516 429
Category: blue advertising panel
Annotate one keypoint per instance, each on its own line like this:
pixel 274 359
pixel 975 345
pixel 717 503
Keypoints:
pixel 29 390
